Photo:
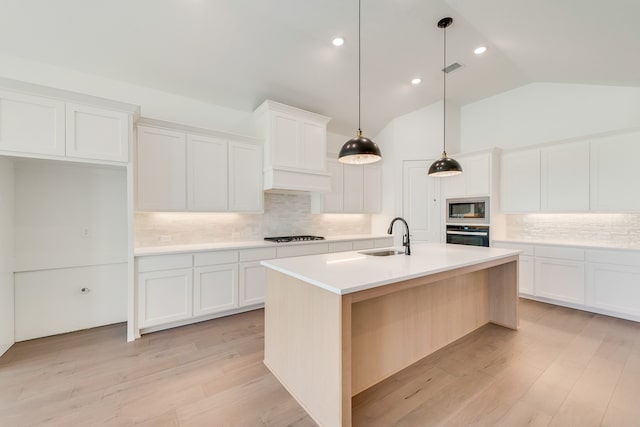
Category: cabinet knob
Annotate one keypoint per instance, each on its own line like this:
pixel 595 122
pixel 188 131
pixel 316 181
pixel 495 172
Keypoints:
pixel 84 290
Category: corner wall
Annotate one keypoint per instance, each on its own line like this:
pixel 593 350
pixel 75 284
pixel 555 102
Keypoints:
pixel 6 254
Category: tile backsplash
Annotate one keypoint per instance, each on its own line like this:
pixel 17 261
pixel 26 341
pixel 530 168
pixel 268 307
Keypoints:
pixel 615 229
pixel 284 214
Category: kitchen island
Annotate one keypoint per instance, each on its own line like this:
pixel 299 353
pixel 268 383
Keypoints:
pixel 336 324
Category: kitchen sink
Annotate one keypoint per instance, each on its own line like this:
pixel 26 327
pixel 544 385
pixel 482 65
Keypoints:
pixel 382 252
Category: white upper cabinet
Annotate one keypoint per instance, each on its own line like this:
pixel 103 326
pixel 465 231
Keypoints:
pixel 295 147
pixel 179 171
pixel 31 124
pixel 161 171
pixel 245 177
pixel 372 188
pixel 475 179
pixel 207 173
pixel 520 181
pixel 333 201
pixel 353 187
pixel 96 133
pixel 614 167
pixel 565 178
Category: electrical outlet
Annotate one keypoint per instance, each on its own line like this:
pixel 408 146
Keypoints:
pixel 85 232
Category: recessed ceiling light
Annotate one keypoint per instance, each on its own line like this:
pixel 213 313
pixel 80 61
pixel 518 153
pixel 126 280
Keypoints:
pixel 480 50
pixel 416 81
pixel 338 41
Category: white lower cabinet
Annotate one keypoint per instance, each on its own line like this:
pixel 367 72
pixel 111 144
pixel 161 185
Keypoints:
pixel 614 288
pixel 215 289
pixel 526 275
pixel 559 279
pixel 253 277
pixel 164 296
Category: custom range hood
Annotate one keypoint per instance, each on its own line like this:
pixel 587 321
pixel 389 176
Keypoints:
pixel 295 148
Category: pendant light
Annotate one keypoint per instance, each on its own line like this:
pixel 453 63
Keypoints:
pixel 444 166
pixel 360 149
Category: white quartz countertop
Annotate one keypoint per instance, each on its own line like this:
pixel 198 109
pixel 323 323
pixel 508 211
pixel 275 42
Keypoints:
pixel 201 247
pixel 348 272
pixel 582 245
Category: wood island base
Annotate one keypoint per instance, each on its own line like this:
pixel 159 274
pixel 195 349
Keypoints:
pixel 325 347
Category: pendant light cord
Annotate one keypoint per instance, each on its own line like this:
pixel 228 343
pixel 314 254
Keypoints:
pixel 444 94
pixel 359 76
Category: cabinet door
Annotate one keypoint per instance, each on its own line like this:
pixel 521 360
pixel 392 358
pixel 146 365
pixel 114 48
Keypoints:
pixel 520 181
pixel 253 277
pixel 614 287
pixel 421 201
pixel 95 133
pixel 565 178
pixel 161 172
pixel 333 201
pixel 352 187
pixel 561 280
pixel 526 275
pixel 164 297
pixel 245 177
pixel 477 174
pixel 614 166
pixel 284 140
pixel 311 151
pixel 372 190
pixel 31 124
pixel 215 289
pixel 207 173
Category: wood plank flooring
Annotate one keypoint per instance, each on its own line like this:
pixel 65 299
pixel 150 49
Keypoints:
pixel 563 368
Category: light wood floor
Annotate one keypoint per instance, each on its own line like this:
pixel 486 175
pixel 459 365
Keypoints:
pixel 563 368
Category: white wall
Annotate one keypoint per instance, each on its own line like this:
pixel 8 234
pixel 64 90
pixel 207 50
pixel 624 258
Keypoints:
pixel 153 103
pixel 6 254
pixel 547 112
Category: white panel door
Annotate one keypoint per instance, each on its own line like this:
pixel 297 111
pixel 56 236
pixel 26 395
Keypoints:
pixel 614 167
pixel 526 275
pixel 614 287
pixel 372 188
pixel 353 186
pixel 520 181
pixel 95 133
pixel 284 140
pixel 31 124
pixel 245 177
pixel 312 154
pixel 207 179
pixel 164 297
pixel 333 201
pixel 420 201
pixel 162 169
pixel 565 178
pixel 561 280
pixel 253 277
pixel 215 289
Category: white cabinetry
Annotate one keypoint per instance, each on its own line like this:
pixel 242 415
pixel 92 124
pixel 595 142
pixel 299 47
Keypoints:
pixel 354 189
pixel 614 166
pixel 96 133
pixel 164 296
pixel 559 274
pixel 215 289
pixel 520 181
pixel 180 171
pixel 31 124
pixel 295 147
pixel 475 179
pixel 526 273
pixel 565 178
pixel 421 201
pixel 253 276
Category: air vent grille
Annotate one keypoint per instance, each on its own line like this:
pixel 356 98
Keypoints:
pixel 453 67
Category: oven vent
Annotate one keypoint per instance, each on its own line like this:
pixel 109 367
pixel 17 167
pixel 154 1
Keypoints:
pixel 453 67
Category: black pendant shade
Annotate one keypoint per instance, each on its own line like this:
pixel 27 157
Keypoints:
pixel 359 150
pixel 445 166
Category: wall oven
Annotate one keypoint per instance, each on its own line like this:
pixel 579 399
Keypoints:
pixel 471 210
pixel 473 235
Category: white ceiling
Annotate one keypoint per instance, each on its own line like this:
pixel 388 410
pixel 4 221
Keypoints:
pixel 236 53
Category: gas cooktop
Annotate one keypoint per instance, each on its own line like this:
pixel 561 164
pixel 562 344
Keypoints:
pixel 284 239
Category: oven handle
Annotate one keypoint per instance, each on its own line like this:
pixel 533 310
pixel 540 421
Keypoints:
pixel 469 233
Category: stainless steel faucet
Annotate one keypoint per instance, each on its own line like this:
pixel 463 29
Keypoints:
pixel 405 239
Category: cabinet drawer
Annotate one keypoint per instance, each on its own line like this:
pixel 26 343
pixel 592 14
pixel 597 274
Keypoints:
pixel 384 243
pixel 164 262
pixel 362 244
pixel 560 253
pixel 258 254
pixel 213 258
pixel 631 258
pixel 527 250
pixel 340 246
pixel 300 250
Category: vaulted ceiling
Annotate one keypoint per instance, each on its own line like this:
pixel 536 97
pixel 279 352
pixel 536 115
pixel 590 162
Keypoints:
pixel 236 53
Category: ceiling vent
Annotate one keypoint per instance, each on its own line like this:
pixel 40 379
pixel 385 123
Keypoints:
pixel 453 67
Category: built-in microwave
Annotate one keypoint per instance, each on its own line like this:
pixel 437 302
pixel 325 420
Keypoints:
pixel 471 210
